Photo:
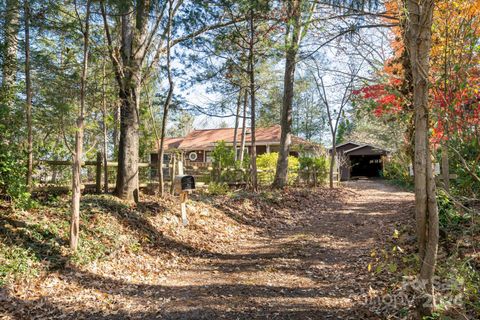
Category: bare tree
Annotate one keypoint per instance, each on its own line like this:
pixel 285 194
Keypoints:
pixel 334 115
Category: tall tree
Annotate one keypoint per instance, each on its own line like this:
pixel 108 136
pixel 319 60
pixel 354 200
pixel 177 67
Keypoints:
pixel 294 32
pixel 10 49
pixel 141 39
pixel 418 42
pixel 168 100
pixel 28 95
pixel 79 134
pixel 251 70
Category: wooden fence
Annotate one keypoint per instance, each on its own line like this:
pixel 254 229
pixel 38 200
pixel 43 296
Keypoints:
pixel 88 183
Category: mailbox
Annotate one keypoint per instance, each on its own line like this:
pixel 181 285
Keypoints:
pixel 184 183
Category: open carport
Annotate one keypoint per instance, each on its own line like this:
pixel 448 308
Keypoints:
pixel 360 160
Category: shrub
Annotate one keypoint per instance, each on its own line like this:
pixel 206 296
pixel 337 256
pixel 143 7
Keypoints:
pixel 396 169
pixel 267 163
pixel 12 176
pixel 222 155
pixel 215 188
pixel 319 165
pixel 448 215
pixel 225 168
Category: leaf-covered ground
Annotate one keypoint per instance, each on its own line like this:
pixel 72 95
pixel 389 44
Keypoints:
pixel 297 254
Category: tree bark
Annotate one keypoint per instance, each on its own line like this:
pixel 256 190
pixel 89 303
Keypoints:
pixel 237 121
pixel 292 37
pixel 105 132
pixel 166 106
pixel 244 127
pixel 332 158
pixel 11 28
pixel 128 73
pixel 77 156
pixel 251 63
pixel 418 41
pixel 28 102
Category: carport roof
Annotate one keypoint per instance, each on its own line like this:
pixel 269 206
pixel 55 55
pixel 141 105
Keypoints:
pixel 366 146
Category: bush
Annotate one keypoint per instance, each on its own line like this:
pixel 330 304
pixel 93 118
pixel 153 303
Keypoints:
pixel 448 215
pixel 396 169
pixel 224 164
pixel 12 176
pixel 215 188
pixel 319 165
pixel 267 163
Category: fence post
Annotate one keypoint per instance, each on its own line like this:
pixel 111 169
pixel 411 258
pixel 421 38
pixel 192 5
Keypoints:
pixel 98 176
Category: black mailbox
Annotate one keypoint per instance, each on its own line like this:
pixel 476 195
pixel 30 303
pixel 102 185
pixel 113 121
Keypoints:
pixel 184 183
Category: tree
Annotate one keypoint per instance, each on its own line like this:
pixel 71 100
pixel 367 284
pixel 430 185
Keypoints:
pixel 141 40
pixel 78 153
pixel 166 105
pixel 10 49
pixel 28 96
pixel 418 42
pixel 295 31
pixel 335 116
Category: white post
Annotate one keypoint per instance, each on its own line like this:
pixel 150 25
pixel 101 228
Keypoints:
pixel 180 168
pixel 183 207
pixel 268 148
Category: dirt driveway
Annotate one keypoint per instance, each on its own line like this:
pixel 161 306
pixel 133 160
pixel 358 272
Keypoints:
pixel 314 271
pixel 313 266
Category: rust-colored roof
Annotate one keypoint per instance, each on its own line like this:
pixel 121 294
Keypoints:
pixel 206 138
pixel 171 143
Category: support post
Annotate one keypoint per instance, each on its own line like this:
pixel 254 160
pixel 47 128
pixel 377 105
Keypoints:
pixel 173 172
pixel 183 207
pixel 98 176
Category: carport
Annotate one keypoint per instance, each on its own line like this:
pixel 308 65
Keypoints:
pixel 356 160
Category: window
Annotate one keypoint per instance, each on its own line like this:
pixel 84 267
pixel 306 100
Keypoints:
pixel 208 156
pixel 192 156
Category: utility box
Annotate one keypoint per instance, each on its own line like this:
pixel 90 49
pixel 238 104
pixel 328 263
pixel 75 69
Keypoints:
pixel 184 183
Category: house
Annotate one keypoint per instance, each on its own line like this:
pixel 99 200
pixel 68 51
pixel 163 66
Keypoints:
pixel 198 145
pixel 359 160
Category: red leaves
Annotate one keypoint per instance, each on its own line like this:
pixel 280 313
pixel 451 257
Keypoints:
pixel 381 95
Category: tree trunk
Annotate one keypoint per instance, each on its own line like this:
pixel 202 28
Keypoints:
pixel 116 131
pixel 105 132
pixel 127 170
pixel 332 158
pixel 28 88
pixel 77 157
pixel 166 106
pixel 244 127
pixel 129 73
pixel 10 47
pixel 251 62
pixel 418 41
pixel 286 120
pixel 235 131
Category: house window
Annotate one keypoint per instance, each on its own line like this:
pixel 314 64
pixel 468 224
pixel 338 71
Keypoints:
pixel 208 156
pixel 192 156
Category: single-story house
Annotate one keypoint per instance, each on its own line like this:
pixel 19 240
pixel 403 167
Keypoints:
pixel 198 145
pixel 359 160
